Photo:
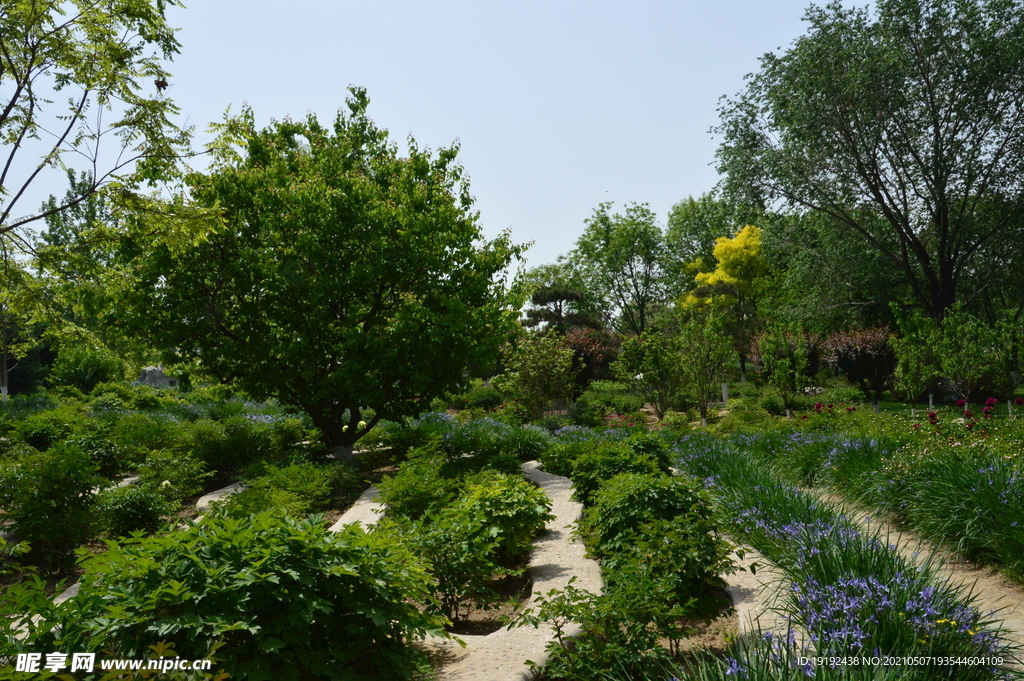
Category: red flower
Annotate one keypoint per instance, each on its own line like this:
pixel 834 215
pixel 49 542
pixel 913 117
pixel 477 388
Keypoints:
pixel 991 402
pixel 916 426
pixel 968 414
pixel 1019 401
pixel 818 406
pixel 851 409
pixel 961 403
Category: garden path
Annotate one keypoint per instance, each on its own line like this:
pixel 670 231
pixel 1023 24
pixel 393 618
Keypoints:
pixel 990 591
pixel 754 593
pixel 556 557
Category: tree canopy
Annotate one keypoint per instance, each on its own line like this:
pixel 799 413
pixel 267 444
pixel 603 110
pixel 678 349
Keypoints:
pixel 619 256
pixel 100 58
pixel 344 276
pixel 906 125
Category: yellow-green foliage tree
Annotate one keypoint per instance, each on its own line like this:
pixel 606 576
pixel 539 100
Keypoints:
pixel 730 287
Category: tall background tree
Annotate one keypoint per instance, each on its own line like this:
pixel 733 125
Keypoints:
pixel 619 256
pixel 83 79
pixel 905 124
pixel 344 276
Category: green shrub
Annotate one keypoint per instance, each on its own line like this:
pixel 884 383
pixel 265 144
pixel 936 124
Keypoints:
pixel 513 509
pixel 49 496
pixel 297 489
pixel 610 397
pixel 618 632
pixel 603 462
pixel 45 428
pixel 744 390
pixel 139 434
pixel 628 502
pixel 418 488
pixel 463 554
pixel 845 394
pixel 110 458
pixel 123 510
pixel 84 368
pixel 653 446
pixel 559 458
pixel 772 403
pixel 177 475
pixel 287 598
pixel 483 397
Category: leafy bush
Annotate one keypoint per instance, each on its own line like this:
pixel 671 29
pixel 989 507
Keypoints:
pixel 610 397
pixel 603 462
pixel 773 403
pixel 653 446
pixel 418 488
pixel 110 458
pixel 513 509
pixel 625 503
pixel 484 397
pixel 297 489
pixel 559 458
pixel 289 599
pixel 176 475
pixel 618 637
pixel 463 557
pixel 84 367
pixel 45 428
pixel 49 496
pixel 139 434
pixel 123 510
pixel 846 394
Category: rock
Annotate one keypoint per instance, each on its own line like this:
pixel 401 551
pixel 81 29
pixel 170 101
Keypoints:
pixel 155 377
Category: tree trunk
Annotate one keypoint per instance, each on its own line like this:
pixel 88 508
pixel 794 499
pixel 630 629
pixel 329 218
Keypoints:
pixel 743 368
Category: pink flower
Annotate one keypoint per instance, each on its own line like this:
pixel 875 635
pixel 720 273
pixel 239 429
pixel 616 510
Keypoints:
pixel 818 406
pixel 916 426
pixel 968 414
pixel 991 402
pixel 1019 401
pixel 961 403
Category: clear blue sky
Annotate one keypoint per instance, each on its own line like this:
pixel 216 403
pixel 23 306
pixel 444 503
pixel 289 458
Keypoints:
pixel 558 105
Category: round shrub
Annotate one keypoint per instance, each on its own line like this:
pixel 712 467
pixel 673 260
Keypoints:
pixel 176 474
pixel 49 496
pixel 45 428
pixel 624 503
pixel 109 457
pixel 123 510
pixel 417 488
pixel 139 434
pixel 650 445
pixel 603 462
pixel 513 510
pixel 529 441
pixel 320 605
pixel 84 367
pixel 297 489
pixel 559 458
pixel 484 397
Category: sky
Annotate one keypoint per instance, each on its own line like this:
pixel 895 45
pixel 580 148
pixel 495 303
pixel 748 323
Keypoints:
pixel 557 105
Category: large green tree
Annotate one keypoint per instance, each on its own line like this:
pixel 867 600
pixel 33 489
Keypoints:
pixel 619 256
pixel 344 277
pixel 905 124
pixel 83 79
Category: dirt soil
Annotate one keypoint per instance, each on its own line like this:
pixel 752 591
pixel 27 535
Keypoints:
pixel 512 592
